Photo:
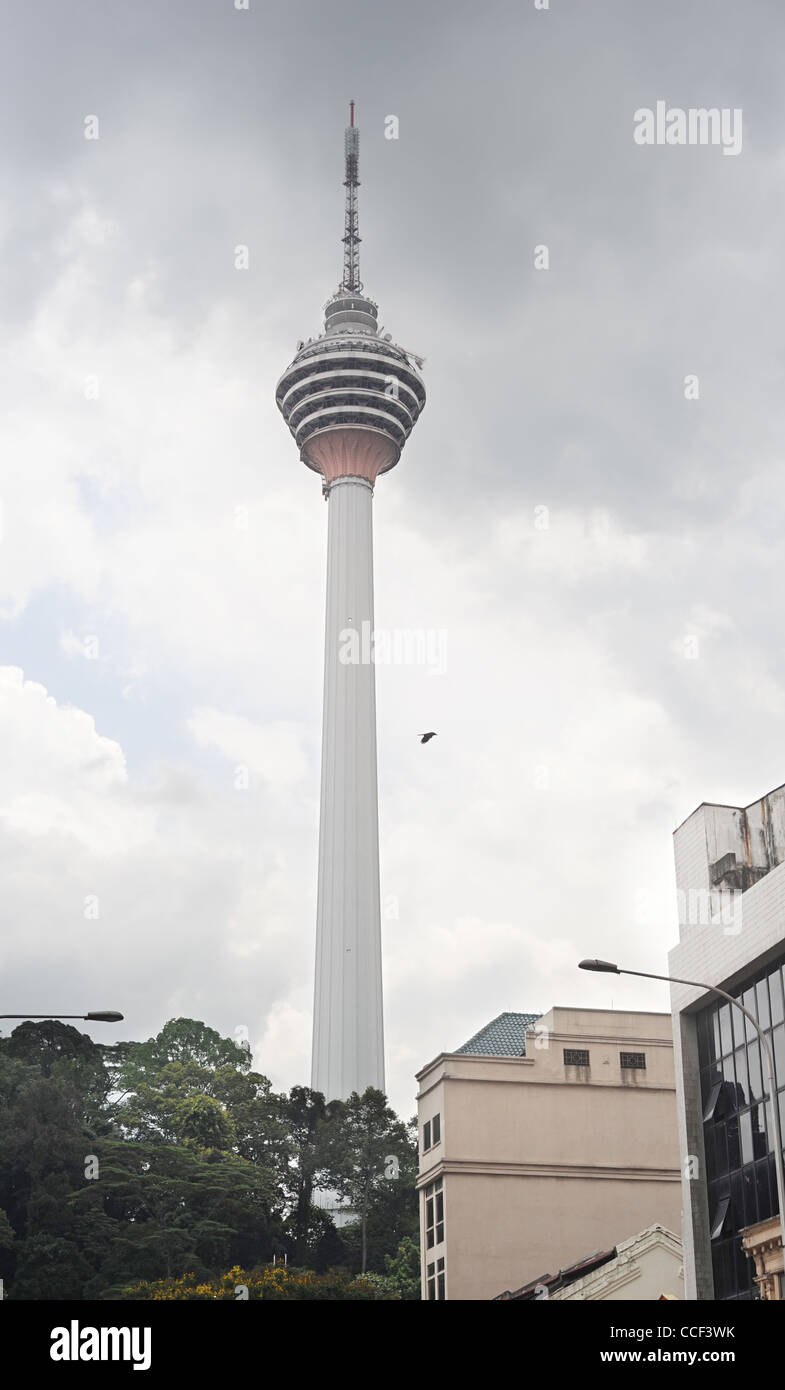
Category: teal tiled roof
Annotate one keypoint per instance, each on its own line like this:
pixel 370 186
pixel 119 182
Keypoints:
pixel 504 1036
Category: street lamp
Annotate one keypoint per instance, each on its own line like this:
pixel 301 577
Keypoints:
pixel 102 1016
pixel 606 967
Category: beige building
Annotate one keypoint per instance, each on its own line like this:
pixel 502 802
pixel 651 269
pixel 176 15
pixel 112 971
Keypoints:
pixel 542 1136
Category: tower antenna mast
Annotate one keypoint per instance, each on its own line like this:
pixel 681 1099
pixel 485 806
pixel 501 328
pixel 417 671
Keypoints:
pixel 351 238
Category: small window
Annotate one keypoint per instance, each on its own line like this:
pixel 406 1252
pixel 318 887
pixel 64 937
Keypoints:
pixel 720 1217
pixel 440 1279
pixel 575 1057
pixel 437 1128
pixel 632 1061
pixel 426 1136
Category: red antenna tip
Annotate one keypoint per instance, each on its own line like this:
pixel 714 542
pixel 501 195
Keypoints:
pixel 351 113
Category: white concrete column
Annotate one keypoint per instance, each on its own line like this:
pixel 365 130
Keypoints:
pixel 348 1039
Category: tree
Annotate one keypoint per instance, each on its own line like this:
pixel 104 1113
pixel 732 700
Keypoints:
pixel 46 1043
pixel 188 1069
pixel 403 1269
pixel 44 1138
pixel 369 1150
pixel 302 1160
pixel 88 1205
pixel 177 1209
pixel 56 1050
pixel 182 1040
pixel 171 1158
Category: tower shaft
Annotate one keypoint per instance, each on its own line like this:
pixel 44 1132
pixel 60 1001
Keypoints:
pixel 348 1043
pixel 350 398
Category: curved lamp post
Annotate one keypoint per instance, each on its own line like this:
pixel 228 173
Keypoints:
pixel 102 1016
pixel 607 967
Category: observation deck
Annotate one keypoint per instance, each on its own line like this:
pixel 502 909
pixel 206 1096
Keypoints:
pixel 350 378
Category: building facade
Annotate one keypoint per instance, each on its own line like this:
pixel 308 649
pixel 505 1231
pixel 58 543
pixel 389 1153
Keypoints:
pixel 762 1243
pixel 542 1136
pixel 730 877
pixel 350 398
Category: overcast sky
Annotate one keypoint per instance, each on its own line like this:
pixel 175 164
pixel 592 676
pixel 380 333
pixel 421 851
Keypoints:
pixel 163 549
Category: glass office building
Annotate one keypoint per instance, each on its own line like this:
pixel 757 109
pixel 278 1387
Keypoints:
pixel 737 1129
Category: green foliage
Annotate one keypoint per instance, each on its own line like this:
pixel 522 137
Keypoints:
pixel 45 1044
pixel 176 1209
pixel 384 1289
pixel 302 1160
pixel 203 1121
pixel 171 1160
pixel 272 1283
pixel 403 1269
pixel 372 1166
pixel 182 1040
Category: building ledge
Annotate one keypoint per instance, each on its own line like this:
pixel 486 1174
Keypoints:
pixel 517 1169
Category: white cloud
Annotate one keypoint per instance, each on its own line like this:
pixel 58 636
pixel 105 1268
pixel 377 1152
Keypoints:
pixel 273 753
pixel 146 895
pixel 284 1051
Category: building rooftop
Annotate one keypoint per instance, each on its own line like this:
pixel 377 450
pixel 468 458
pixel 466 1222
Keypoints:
pixel 504 1036
pixel 728 849
pixel 548 1284
pixel 726 805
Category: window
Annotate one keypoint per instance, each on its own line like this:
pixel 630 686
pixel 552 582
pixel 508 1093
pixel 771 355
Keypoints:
pixel 632 1061
pixel 739 1176
pixel 436 1281
pixel 431 1132
pixel 434 1214
pixel 575 1057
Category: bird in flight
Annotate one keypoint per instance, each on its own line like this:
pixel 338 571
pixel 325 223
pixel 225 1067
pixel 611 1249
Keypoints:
pixel 424 737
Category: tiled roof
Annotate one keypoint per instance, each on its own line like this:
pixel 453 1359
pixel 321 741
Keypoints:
pixel 551 1282
pixel 654 1235
pixel 505 1036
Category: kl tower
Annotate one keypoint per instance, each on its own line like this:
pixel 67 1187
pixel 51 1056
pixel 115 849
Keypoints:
pixel 350 399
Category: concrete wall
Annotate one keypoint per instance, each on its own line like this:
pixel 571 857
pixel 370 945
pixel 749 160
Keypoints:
pixel 502 1232
pixel 754 836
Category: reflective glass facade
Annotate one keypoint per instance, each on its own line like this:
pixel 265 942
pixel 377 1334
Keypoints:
pixel 737 1128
